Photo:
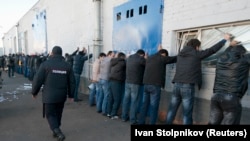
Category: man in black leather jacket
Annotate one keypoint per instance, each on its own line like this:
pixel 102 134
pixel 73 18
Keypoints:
pixel 58 81
pixel 231 83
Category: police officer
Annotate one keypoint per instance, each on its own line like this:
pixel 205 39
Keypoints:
pixel 54 94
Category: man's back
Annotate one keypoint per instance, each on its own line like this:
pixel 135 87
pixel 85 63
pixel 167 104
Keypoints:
pixel 105 68
pixel 135 66
pixel 52 71
pixel 232 71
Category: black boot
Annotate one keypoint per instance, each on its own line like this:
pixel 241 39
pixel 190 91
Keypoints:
pixel 58 133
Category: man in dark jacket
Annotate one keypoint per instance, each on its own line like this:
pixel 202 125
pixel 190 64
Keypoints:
pixel 188 73
pixel 153 81
pixel 11 65
pixel 117 79
pixel 230 85
pixel 135 66
pixel 70 57
pixel 78 64
pixel 54 94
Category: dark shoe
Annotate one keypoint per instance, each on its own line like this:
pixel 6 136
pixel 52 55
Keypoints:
pixel 134 123
pixel 78 100
pixel 58 133
pixel 124 120
pixel 92 105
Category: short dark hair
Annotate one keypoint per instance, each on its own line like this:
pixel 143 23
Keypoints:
pixel 163 51
pixel 102 55
pixel 121 55
pixel 57 50
pixel 140 52
pixel 109 53
pixel 193 43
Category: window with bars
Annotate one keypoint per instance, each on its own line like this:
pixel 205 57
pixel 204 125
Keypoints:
pixel 213 34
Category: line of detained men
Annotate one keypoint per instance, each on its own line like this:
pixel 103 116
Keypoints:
pixel 138 71
pixel 188 74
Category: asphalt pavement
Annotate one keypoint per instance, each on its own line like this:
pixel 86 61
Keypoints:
pixel 21 117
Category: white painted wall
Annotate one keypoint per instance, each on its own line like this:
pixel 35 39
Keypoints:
pixel 183 14
pixel 70 25
pixel 8 41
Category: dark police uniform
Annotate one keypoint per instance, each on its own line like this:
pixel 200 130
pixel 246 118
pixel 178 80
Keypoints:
pixel 58 81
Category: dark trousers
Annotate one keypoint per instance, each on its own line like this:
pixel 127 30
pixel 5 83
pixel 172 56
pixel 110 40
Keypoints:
pixel 53 113
pixel 225 109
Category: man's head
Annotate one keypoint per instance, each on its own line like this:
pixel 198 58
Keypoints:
pixel 163 52
pixel 57 50
pixel 239 49
pixel 195 43
pixel 234 43
pixel 141 52
pixel 101 55
pixel 111 54
pixel 121 55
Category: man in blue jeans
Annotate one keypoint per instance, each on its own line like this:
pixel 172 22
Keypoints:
pixel 188 73
pixel 135 66
pixel 95 90
pixel 154 80
pixel 78 64
pixel 104 81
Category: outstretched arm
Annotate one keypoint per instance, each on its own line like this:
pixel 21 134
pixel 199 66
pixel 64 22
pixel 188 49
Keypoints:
pixel 75 52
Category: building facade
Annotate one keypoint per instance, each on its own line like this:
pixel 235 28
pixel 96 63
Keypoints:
pixel 92 24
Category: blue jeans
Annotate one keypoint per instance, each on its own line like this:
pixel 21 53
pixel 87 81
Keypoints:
pixel 150 101
pixel 225 109
pixel 77 79
pixel 182 93
pixel 99 98
pixel 105 86
pixel 140 97
pixel 115 97
pixel 130 102
pixel 93 94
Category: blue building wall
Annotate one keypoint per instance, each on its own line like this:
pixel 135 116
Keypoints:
pixel 138 25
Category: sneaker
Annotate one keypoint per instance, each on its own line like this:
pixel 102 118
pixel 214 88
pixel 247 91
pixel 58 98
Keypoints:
pixel 108 115
pixel 115 117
